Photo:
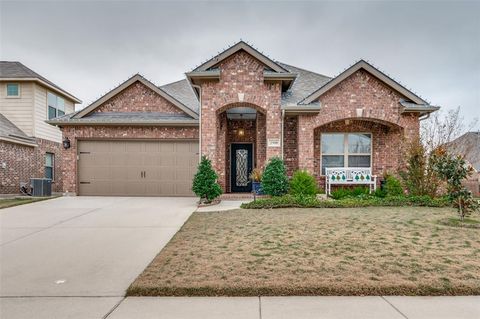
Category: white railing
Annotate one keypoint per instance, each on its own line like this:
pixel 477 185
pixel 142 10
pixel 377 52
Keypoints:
pixel 349 176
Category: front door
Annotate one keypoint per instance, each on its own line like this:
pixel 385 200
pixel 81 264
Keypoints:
pixel 242 164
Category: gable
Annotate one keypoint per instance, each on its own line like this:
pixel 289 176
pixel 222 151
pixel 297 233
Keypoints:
pixel 138 98
pixel 137 95
pixel 380 76
pixel 240 46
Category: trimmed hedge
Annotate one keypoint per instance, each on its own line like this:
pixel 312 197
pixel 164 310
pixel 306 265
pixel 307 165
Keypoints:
pixel 312 202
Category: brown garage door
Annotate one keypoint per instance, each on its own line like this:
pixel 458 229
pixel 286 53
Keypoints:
pixel 137 168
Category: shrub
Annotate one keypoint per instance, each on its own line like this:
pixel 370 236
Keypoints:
pixel 205 183
pixel 359 191
pixel 393 187
pixel 348 202
pixel 380 193
pixel 420 178
pixel 342 192
pixel 303 184
pixel 275 180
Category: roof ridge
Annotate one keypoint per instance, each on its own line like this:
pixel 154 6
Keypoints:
pixel 296 67
pixel 172 83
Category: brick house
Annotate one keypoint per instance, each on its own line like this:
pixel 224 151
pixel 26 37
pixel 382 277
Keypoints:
pixel 29 147
pixel 239 109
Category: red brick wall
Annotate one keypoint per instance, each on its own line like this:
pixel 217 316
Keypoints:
pixel 25 162
pixel 240 73
pixel 138 98
pixel 74 133
pixel 290 144
pixel 379 103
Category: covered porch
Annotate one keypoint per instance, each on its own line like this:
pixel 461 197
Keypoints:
pixel 356 151
pixel 241 146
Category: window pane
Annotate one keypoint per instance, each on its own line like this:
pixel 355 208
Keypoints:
pixel 60 104
pixel 332 161
pixel 359 143
pixel 52 112
pixel 12 89
pixel 51 99
pixel 60 113
pixel 49 159
pixel 333 143
pixel 49 172
pixel 358 161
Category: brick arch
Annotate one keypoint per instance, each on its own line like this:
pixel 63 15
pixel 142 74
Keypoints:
pixel 226 107
pixel 365 121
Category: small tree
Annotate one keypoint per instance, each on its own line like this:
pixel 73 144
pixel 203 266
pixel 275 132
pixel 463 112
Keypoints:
pixel 303 184
pixel 274 179
pixel 205 183
pixel 453 169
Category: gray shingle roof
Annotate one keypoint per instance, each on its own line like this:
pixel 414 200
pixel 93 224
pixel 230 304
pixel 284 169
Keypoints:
pixel 183 92
pixel 16 70
pixel 124 118
pixel 304 85
pixel 468 145
pixel 12 132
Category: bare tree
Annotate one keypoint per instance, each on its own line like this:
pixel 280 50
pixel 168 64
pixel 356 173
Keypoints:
pixel 442 127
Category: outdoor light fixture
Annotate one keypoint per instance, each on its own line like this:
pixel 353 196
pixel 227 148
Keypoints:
pixel 241 132
pixel 66 143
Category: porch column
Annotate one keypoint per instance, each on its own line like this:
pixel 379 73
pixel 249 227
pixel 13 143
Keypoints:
pixel 273 125
pixel 306 157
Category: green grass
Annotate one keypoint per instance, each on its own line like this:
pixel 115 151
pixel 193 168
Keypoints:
pixel 316 251
pixel 10 202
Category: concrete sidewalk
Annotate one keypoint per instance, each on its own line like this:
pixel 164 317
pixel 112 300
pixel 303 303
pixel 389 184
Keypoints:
pixel 373 307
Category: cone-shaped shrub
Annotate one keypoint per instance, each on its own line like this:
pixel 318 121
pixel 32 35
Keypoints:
pixel 205 183
pixel 274 179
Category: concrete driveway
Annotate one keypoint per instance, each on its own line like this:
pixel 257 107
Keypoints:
pixel 74 257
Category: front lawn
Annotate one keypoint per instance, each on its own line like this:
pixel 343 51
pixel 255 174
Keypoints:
pixel 317 251
pixel 10 202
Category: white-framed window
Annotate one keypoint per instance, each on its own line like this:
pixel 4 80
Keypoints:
pixel 346 150
pixel 56 106
pixel 50 166
pixel 13 90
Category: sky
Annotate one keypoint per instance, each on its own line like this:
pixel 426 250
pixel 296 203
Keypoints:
pixel 88 48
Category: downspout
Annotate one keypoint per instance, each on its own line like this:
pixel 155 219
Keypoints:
pixel 281 130
pixel 425 117
pixel 199 121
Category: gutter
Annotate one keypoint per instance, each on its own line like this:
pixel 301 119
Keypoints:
pixel 199 121
pixel 192 123
pixel 48 85
pixel 18 141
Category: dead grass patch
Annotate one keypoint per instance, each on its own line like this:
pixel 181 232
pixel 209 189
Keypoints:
pixel 354 251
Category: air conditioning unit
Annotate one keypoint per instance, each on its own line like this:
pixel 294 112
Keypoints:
pixel 41 186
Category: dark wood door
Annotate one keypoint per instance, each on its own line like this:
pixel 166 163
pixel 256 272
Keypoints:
pixel 242 164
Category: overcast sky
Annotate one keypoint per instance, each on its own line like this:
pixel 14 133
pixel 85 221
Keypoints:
pixel 87 48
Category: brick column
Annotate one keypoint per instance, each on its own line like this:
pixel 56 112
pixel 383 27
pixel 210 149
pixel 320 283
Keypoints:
pixel 274 121
pixel 306 144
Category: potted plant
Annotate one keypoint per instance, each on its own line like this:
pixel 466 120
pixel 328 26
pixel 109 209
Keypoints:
pixel 256 177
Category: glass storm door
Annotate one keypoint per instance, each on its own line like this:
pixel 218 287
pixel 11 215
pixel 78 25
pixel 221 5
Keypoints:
pixel 242 163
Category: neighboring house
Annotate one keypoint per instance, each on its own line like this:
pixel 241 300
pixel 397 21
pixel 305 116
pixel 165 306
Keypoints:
pixel 468 145
pixel 29 147
pixel 239 109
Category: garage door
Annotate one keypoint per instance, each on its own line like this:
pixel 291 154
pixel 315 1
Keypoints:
pixel 137 168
